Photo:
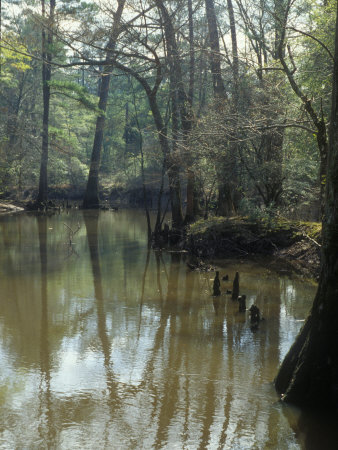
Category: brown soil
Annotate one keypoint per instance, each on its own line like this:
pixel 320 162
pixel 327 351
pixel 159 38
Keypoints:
pixel 304 257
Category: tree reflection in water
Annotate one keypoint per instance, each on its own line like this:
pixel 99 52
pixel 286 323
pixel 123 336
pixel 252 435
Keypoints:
pixel 123 347
pixel 46 423
pixel 91 221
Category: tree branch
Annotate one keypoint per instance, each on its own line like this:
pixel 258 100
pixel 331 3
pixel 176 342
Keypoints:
pixel 314 38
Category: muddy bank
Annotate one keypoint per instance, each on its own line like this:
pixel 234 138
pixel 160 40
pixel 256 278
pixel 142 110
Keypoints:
pixel 303 257
pixel 294 245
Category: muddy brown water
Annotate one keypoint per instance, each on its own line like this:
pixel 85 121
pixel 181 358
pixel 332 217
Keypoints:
pixel 104 344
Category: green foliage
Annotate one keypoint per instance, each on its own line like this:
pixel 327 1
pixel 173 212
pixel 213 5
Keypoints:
pixel 225 144
pixel 315 64
pixel 301 166
pixel 255 212
pixel 77 93
pixel 14 58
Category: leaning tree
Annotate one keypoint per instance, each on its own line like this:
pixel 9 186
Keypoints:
pixel 91 196
pixel 308 375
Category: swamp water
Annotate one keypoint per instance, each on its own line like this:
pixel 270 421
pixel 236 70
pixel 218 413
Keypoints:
pixel 104 345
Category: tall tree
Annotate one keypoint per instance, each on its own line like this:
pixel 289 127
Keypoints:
pixel 309 373
pixel 47 42
pixel 191 53
pixel 91 196
pixel 226 170
pixel 192 201
pixel 178 108
pixel 215 54
pixel 235 58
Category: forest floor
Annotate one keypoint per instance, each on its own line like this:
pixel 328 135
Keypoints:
pixel 296 245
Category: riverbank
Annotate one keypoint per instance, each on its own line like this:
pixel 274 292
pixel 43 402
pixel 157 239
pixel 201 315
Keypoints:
pixel 10 207
pixel 295 244
pixel 117 195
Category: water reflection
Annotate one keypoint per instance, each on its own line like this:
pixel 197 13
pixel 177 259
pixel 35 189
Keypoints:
pixel 123 347
pixel 91 221
pixel 45 426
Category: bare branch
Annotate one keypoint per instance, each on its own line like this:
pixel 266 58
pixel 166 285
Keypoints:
pixel 314 38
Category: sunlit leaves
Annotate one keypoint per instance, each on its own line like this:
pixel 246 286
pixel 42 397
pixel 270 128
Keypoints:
pixel 13 57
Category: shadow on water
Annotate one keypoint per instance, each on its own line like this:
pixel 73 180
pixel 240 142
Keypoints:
pixel 313 431
pixel 91 219
pixel 167 407
pixel 46 422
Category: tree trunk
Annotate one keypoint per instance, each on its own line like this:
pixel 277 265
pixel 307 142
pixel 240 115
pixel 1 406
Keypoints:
pixel 235 60
pixel 145 196
pixel 323 151
pixel 192 200
pixel 269 184
pixel 190 210
pixel 309 373
pixel 91 196
pixel 191 54
pixel 175 68
pixel 181 115
pixel 234 144
pixel 225 206
pixel 170 165
pixel 47 41
pixel 227 186
pixel 215 56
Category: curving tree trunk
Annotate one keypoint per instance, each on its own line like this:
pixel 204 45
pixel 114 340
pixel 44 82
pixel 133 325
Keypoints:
pixel 91 197
pixel 309 373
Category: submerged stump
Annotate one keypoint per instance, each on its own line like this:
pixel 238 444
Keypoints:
pixel 255 317
pixel 216 285
pixel 235 287
pixel 242 303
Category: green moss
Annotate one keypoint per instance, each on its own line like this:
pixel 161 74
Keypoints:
pixel 241 225
pixel 312 229
pixel 216 225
